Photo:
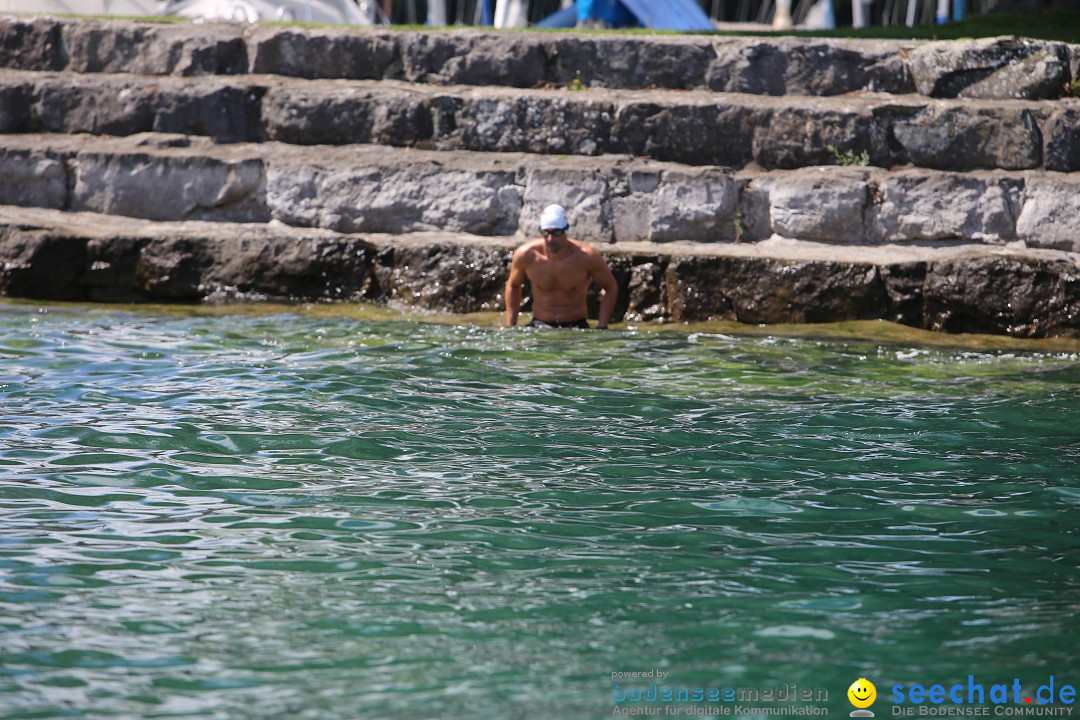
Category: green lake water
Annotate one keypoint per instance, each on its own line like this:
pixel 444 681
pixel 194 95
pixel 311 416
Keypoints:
pixel 297 514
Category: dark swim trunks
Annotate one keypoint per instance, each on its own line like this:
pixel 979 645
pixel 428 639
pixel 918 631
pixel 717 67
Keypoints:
pixel 579 324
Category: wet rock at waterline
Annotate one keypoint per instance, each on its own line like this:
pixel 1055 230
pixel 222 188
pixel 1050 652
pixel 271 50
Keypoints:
pixel 49 254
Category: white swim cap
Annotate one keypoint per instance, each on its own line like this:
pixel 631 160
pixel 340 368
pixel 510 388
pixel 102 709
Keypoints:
pixel 554 218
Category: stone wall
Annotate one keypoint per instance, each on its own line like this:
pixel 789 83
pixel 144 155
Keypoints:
pixel 614 198
pixel 757 179
pixel 51 254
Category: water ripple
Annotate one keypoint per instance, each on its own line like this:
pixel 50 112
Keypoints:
pixel 293 516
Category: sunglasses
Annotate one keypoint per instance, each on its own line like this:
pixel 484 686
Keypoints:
pixel 552 231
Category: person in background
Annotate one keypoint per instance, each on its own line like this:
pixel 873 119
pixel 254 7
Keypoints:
pixel 559 269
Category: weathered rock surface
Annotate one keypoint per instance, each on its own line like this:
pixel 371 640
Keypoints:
pixel 827 207
pixel 769 290
pixel 696 128
pixel 32 44
pixel 991 68
pixel 869 207
pixel 326 53
pixel 374 189
pixel 1062 134
pixel 787 66
pixel 1012 297
pixel 153 49
pixel 54 255
pixel 962 138
pixel 126 105
pixel 366 188
pixel 912 206
pixel 168 187
pixel 995 68
pixel 33 179
pixel 396 198
pixel 403 166
pixel 1051 213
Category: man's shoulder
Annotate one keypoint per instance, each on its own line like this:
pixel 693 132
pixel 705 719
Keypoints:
pixel 589 255
pixel 529 247
pixel 585 248
pixel 527 253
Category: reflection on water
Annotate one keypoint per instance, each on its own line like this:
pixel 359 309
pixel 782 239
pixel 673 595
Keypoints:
pixel 305 515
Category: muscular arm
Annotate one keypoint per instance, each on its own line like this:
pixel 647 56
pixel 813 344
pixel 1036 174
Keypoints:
pixel 513 288
pixel 601 275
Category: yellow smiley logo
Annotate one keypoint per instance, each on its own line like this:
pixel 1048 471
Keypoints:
pixel 862 693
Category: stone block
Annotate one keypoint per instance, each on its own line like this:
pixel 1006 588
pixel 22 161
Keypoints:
pixel 177 49
pixel 114 105
pixel 449 278
pixel 967 138
pixel 1039 76
pixel 630 217
pixel 990 68
pixel 786 66
pixel 628 62
pixel 93 107
pixel 323 53
pixel 797 137
pixel 170 187
pixel 32 44
pixel 331 268
pixel 904 289
pixel 824 205
pixel 713 134
pixel 109 272
pixel 754 221
pixel 1021 297
pixel 836 68
pixel 930 207
pixel 585 194
pixel 1062 135
pixel 549 124
pixel 15 108
pixel 763 290
pixel 32 180
pixel 41 263
pixel 170 268
pixel 646 300
pixel 696 289
pixel 1050 216
pixel 755 67
pixel 394 198
pixel 227 114
pixel 469 58
pixel 339 115
pixel 693 206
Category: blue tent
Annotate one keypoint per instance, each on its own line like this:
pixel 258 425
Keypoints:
pixel 656 14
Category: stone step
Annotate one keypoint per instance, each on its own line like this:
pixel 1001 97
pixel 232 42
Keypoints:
pixel 994 68
pixel 378 189
pixel 691 127
pixel 50 254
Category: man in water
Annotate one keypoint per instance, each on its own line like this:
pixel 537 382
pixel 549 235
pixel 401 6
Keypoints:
pixel 559 269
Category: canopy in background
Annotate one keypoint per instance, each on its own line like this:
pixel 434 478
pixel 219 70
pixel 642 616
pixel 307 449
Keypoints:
pixel 656 14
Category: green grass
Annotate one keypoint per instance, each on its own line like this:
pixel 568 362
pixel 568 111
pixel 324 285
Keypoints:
pixel 1057 25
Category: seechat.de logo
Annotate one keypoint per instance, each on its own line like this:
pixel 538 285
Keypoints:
pixel 862 694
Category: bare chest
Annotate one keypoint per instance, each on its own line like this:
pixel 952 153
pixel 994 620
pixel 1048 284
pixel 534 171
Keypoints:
pixel 557 275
